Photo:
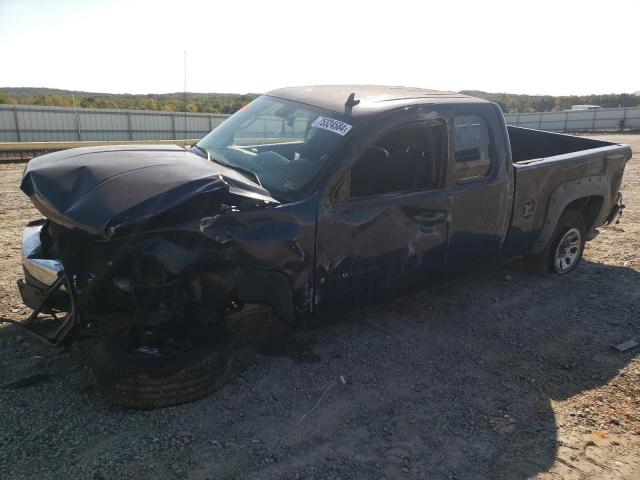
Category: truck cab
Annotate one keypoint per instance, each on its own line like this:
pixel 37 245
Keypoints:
pixel 421 190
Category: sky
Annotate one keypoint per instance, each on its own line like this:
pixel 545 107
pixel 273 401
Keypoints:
pixel 558 47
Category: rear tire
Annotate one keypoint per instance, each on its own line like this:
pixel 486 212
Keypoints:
pixel 138 380
pixel 564 252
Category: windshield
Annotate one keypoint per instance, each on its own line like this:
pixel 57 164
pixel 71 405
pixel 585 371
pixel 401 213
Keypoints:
pixel 282 143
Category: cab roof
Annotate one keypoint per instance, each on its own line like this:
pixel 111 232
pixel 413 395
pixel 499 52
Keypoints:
pixel 373 99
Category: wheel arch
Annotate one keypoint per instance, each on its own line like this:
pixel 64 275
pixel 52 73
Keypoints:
pixel 585 195
pixel 269 288
pixel 232 282
pixel 589 207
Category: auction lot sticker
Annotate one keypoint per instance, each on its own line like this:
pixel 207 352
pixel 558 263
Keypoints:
pixel 335 126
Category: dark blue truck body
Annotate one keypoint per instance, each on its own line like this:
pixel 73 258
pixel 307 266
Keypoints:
pixel 118 217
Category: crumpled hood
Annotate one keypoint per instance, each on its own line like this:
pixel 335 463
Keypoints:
pixel 101 189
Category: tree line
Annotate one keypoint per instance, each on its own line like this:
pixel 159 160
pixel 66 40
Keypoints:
pixel 512 103
pixel 168 102
pixel 231 102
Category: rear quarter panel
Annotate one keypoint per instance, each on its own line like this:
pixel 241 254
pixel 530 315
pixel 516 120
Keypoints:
pixel 545 187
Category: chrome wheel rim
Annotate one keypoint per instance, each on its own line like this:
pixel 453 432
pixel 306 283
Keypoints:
pixel 568 251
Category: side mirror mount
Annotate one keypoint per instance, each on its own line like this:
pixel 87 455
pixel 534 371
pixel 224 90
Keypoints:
pixel 360 179
pixel 340 193
pixel 365 172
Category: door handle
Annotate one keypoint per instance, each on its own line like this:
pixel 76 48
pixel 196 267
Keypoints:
pixel 432 218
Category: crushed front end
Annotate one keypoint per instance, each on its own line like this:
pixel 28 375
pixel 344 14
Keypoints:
pixel 147 285
pixel 121 254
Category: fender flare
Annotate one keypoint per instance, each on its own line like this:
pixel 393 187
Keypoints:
pixel 562 196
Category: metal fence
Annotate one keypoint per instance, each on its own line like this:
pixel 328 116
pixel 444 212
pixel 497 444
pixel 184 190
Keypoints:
pixel 29 123
pixel 606 119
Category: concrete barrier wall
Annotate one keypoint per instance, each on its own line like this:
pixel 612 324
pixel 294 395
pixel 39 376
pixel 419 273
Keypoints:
pixel 29 123
pixel 617 119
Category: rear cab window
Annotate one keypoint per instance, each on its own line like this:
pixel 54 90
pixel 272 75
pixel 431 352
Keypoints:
pixel 473 147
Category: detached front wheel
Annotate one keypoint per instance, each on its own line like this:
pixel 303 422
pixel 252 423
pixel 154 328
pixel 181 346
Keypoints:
pixel 140 377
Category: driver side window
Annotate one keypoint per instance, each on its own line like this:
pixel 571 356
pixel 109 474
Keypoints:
pixel 406 158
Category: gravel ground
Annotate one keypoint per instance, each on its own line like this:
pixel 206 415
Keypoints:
pixel 496 374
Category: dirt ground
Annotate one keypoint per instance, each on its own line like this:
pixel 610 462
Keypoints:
pixel 498 374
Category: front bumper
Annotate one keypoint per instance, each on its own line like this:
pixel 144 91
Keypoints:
pixel 40 272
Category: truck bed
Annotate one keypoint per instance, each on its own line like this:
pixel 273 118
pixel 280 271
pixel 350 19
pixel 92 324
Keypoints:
pixel 529 145
pixel 550 169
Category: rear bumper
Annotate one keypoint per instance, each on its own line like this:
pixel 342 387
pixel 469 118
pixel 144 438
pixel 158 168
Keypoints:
pixel 616 210
pixel 39 272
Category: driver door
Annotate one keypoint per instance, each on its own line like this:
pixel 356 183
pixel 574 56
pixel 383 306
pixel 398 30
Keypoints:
pixel 387 233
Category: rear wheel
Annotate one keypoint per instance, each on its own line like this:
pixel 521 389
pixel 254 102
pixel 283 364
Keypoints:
pixel 567 244
pixel 564 252
pixel 568 251
pixel 143 377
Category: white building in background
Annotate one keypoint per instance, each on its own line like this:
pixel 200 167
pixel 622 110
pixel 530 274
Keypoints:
pixel 586 107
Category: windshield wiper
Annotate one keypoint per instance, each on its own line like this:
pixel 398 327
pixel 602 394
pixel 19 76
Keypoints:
pixel 245 171
pixel 201 152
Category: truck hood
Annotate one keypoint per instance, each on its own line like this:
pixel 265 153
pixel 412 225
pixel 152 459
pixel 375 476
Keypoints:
pixel 102 189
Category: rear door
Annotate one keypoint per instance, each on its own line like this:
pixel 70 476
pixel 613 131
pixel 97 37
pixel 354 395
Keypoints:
pixel 388 230
pixel 480 181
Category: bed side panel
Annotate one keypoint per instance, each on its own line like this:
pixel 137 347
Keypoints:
pixel 545 187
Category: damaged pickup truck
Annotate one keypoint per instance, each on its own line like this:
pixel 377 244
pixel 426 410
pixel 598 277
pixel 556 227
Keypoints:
pixel 307 200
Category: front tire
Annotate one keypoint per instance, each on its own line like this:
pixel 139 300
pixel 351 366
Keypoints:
pixel 141 380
